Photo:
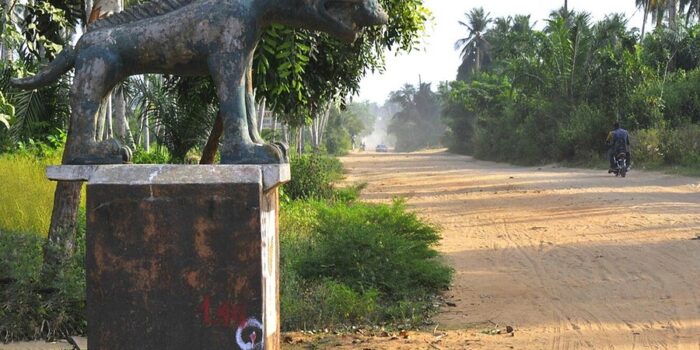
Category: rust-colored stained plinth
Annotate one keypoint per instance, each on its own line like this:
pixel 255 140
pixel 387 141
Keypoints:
pixel 182 266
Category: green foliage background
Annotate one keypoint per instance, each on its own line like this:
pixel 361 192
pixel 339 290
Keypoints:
pixel 553 94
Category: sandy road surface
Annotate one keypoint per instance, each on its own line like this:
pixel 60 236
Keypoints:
pixel 572 259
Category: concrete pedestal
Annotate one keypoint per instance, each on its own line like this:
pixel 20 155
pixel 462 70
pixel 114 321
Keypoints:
pixel 181 257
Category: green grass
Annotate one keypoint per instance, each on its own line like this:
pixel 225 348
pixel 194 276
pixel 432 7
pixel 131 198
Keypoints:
pixel 27 195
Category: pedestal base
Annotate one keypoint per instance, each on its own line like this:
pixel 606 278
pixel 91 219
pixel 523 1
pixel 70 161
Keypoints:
pixel 182 257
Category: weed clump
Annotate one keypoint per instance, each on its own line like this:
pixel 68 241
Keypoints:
pixel 31 308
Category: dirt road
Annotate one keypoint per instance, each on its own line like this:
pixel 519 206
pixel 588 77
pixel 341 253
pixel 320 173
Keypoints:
pixel 570 258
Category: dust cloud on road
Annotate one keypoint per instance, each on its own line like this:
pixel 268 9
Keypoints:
pixel 569 258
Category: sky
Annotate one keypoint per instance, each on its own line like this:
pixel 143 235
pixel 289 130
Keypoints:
pixel 437 59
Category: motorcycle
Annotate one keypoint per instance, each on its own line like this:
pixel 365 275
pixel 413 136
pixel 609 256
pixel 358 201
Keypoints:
pixel 621 166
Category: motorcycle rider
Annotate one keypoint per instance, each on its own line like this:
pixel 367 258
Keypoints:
pixel 618 142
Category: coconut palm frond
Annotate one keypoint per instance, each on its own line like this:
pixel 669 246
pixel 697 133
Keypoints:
pixel 475 49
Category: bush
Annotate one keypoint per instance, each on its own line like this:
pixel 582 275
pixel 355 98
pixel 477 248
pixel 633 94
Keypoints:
pixel 345 264
pixel 582 137
pixel 313 176
pixel 646 147
pixel 655 147
pixel 375 246
pixel 338 141
pixel 681 146
pixel 155 156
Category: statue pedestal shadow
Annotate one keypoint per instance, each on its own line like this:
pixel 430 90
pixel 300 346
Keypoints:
pixel 181 257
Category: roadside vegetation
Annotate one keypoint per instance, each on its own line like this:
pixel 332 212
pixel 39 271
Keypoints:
pixel 533 92
pixel 530 96
pixel 343 263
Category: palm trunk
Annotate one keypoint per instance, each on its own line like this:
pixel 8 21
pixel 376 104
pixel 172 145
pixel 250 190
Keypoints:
pixel 5 52
pixel 646 18
pixel 261 119
pixel 659 17
pixel 88 10
pixel 285 131
pixel 672 13
pixel 121 123
pixel 109 126
pixel 324 122
pixel 300 141
pixel 274 128
pixel 146 135
pixel 60 245
pixel 313 131
pixel 478 60
pixel 212 146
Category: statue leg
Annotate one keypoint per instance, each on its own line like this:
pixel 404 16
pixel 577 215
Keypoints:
pixel 90 85
pixel 252 115
pixel 238 146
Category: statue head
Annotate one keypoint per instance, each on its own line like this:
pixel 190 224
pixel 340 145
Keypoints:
pixel 342 19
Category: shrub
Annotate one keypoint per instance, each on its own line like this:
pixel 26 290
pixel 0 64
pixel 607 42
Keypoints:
pixel 313 176
pixel 355 263
pixel 583 136
pixel 646 147
pixel 375 246
pixel 681 146
pixel 155 156
pixel 338 141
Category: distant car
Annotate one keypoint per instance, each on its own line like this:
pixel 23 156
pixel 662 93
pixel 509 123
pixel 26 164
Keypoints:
pixel 382 148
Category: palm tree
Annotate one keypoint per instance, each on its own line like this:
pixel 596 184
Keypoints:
pixel 474 48
pixel 612 32
pixel 693 8
pixel 181 108
pixel 644 5
pixel 661 9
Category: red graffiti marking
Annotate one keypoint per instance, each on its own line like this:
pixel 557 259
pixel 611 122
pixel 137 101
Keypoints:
pixel 226 314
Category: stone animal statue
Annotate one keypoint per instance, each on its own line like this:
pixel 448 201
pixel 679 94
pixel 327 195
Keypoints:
pixel 186 38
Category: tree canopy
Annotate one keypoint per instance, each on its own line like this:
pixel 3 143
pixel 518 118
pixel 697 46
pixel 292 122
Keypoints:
pixel 553 94
pixel 298 71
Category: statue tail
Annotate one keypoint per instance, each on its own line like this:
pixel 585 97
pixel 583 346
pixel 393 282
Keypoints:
pixel 59 66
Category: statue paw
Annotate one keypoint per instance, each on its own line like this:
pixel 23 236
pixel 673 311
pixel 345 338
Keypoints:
pixel 284 149
pixel 254 154
pixel 114 151
pixel 105 152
